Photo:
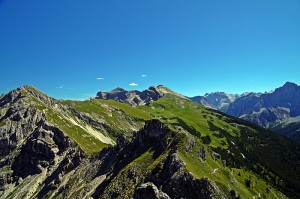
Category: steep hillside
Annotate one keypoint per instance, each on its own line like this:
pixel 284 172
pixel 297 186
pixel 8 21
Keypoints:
pixel 170 148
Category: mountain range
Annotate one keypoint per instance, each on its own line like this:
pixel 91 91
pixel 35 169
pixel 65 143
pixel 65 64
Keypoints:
pixel 132 144
pixel 278 110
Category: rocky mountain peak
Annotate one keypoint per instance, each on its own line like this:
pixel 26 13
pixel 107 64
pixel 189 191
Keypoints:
pixel 117 90
pixel 288 87
pixel 10 97
pixel 290 84
pixel 135 97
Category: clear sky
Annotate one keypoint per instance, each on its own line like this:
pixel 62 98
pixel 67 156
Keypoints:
pixel 192 47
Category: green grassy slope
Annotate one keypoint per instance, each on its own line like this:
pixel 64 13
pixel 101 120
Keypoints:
pixel 106 118
pixel 150 164
pixel 226 177
pixel 121 117
pixel 247 152
pixel 65 121
pixel 241 144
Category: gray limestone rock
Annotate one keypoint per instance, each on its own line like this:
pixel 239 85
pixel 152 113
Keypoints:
pixel 149 191
pixel 184 185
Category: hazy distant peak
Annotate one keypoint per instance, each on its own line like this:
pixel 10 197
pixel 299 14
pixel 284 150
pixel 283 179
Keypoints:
pixel 216 100
pixel 289 85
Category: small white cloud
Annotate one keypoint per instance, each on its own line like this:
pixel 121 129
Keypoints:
pixel 60 87
pixel 133 84
pixel 144 75
pixel 100 78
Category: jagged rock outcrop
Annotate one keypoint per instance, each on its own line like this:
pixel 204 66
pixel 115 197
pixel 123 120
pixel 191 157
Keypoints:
pixel 41 150
pixel 18 120
pixel 170 173
pixel 186 186
pixel 149 191
pixel 135 97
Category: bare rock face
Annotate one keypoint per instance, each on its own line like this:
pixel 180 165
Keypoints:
pixel 16 127
pixel 172 165
pixel 149 191
pixel 17 121
pixel 201 152
pixel 40 151
pixel 185 185
pixel 234 194
pixel 153 134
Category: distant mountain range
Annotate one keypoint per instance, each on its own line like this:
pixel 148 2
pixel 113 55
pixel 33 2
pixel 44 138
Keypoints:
pixel 278 110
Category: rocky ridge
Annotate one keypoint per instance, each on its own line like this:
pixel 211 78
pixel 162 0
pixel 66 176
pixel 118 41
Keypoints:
pixel 135 97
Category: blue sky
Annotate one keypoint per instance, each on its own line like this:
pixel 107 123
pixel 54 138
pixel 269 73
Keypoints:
pixel 192 47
